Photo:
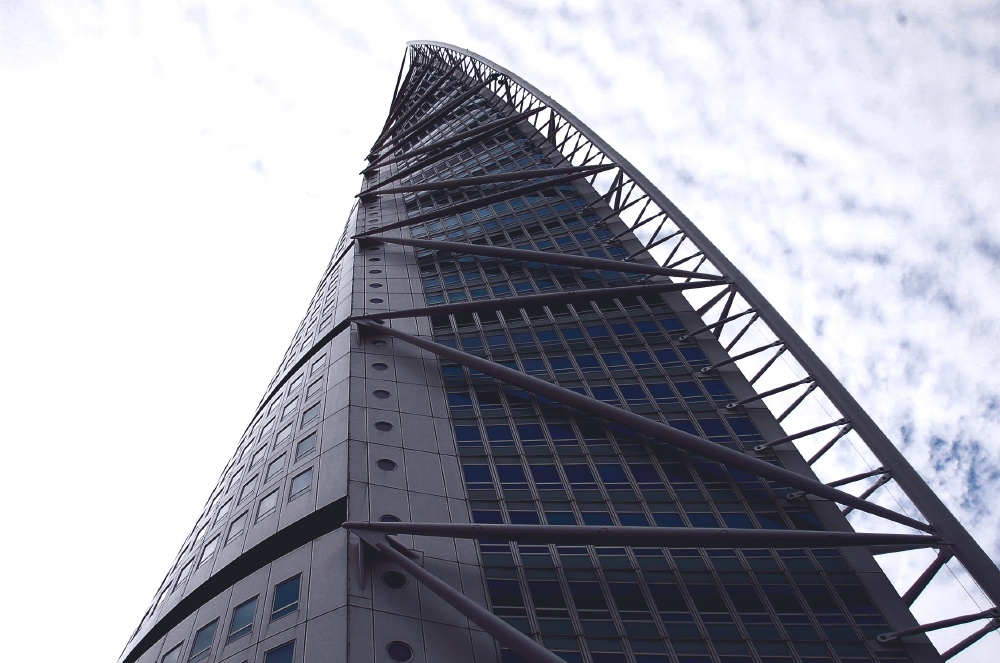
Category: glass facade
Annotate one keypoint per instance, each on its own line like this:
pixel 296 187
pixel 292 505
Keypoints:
pixel 526 460
pixel 485 233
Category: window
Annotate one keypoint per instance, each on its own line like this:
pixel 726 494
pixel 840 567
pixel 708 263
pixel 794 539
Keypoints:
pixel 314 388
pixel 209 550
pixel 283 435
pixel 247 489
pixel 311 414
pixel 267 505
pixel 300 484
pixel 237 526
pixel 305 446
pixel 290 407
pixel 274 467
pixel 172 656
pixel 223 511
pixel 185 572
pixel 258 456
pixel 242 622
pixel 286 597
pixel 281 654
pixel 202 647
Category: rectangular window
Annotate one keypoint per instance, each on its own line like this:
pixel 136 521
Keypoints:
pixel 267 505
pixel 247 490
pixel 274 467
pixel 284 435
pixel 172 656
pixel 311 414
pixel 185 572
pixel 209 550
pixel 237 526
pixel 257 456
pixel 202 647
pixel 223 511
pixel 305 446
pixel 281 654
pixel 286 597
pixel 300 484
pixel 314 388
pixel 242 622
pixel 318 364
pixel 290 407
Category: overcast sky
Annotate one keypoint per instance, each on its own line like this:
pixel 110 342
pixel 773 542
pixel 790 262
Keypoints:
pixel 173 177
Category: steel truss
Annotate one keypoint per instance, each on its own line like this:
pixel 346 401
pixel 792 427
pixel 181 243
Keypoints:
pixel 671 240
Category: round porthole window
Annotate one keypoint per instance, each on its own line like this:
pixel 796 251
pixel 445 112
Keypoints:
pixel 394 579
pixel 385 464
pixel 374 260
pixel 399 651
pixel 374 285
pixel 379 343
pixel 379 366
pixel 376 300
pixel 388 518
pixel 374 271
pixel 383 426
pixel 381 393
pixel 375 248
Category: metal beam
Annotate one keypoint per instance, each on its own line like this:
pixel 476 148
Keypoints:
pixel 720 321
pixel 665 537
pixel 735 359
pixel 414 106
pixel 524 301
pixel 934 626
pixel 547 257
pixel 920 584
pixel 770 392
pixel 480 202
pixel 504 633
pixel 982 568
pixel 972 639
pixel 800 435
pixel 492 178
pixel 431 117
pixel 476 132
pixel 648 427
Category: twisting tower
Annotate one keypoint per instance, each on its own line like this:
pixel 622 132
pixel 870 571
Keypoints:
pixel 532 413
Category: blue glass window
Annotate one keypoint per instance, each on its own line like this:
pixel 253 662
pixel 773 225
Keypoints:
pixel 690 392
pixel 606 394
pixel 546 476
pixel 614 359
pixel 202 647
pixel 512 475
pixel 477 476
pixel 524 518
pixel 598 331
pixel 560 518
pixel 242 621
pixel 499 433
pixel 579 475
pixel 286 598
pixel 281 654
pixel 662 393
pixel 588 362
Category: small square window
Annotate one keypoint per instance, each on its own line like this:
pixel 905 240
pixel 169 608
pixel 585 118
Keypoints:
pixel 311 414
pixel 290 407
pixel 223 511
pixel 314 388
pixel 267 505
pixel 286 597
pixel 172 656
pixel 281 654
pixel 284 435
pixel 247 490
pixel 238 525
pixel 258 456
pixel 300 484
pixel 202 647
pixel 242 622
pixel 209 550
pixel 305 446
pixel 274 467
pixel 318 364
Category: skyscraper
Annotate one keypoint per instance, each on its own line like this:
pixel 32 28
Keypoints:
pixel 532 413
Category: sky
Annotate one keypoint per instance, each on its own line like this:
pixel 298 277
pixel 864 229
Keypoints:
pixel 174 176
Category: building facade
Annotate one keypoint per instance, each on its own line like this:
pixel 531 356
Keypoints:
pixel 524 419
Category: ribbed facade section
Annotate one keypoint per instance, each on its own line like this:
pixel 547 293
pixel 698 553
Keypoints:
pixel 516 424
